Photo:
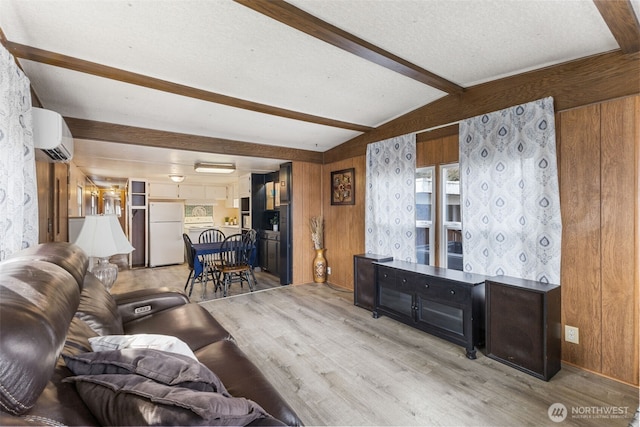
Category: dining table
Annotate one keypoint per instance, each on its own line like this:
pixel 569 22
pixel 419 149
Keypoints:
pixel 202 249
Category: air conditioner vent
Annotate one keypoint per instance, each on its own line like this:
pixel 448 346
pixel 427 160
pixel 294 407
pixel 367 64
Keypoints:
pixel 51 136
pixel 58 154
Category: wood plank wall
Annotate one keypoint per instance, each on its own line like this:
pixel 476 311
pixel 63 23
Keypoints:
pixel 53 201
pixel 599 151
pixel 307 188
pixel 598 147
pixel 344 224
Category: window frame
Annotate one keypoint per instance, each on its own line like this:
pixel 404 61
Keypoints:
pixel 444 225
pixel 428 224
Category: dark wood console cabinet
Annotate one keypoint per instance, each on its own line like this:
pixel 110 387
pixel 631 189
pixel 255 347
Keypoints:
pixel 446 303
pixel 523 325
pixel 364 279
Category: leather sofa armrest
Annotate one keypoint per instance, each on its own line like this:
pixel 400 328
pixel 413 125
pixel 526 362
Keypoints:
pixel 144 302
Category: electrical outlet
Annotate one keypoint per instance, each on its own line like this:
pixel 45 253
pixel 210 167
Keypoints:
pixel 571 334
pixel 328 270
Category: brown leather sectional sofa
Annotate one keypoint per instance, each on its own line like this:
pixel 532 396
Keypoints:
pixel 49 309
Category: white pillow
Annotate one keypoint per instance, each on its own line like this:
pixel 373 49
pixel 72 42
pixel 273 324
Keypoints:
pixel 154 341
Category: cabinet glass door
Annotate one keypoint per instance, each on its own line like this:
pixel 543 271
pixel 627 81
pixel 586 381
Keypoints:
pixel 400 302
pixel 442 316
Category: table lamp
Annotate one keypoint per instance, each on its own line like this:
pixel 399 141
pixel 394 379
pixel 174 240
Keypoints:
pixel 101 236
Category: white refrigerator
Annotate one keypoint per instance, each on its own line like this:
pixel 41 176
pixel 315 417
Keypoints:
pixel 166 245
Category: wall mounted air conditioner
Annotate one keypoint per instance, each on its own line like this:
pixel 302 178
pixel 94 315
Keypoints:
pixel 51 136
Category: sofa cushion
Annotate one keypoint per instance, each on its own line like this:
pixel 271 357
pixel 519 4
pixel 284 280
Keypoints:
pixel 59 403
pixel 78 337
pixel 129 399
pixel 66 255
pixel 189 322
pixel 98 308
pixel 37 302
pixel 243 379
pixel 161 366
pixel 154 341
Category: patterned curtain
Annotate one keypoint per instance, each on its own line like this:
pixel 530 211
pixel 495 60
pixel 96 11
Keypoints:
pixel 390 222
pixel 18 192
pixel 511 222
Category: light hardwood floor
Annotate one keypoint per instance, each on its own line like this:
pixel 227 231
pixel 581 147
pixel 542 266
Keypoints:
pixel 336 365
pixel 175 276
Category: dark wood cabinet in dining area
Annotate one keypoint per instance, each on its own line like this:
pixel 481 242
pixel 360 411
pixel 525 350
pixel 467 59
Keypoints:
pixel 269 250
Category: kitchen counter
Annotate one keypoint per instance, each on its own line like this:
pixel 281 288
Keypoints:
pixel 228 230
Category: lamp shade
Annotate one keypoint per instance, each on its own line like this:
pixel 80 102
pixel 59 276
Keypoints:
pixel 102 236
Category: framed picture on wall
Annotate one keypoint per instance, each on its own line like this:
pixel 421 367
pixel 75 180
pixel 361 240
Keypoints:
pixel 343 187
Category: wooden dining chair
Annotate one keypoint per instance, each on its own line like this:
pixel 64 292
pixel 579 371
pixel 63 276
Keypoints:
pixel 233 262
pixel 196 271
pixel 211 235
pixel 251 236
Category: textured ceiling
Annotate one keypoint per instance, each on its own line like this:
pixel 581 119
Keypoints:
pixel 225 47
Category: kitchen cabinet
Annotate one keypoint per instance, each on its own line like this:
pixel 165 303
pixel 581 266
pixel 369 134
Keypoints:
pixel 269 252
pixel 138 221
pixel 286 223
pixel 161 190
pixel 215 192
pixel 244 186
pixel 232 196
pixel 229 230
pixel 446 303
pixel 270 196
pixel 245 213
pixel 264 208
pixel 138 194
pixel 200 193
pixel 192 192
pixel 523 325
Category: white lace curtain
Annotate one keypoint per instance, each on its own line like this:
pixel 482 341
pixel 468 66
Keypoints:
pixel 511 222
pixel 390 221
pixel 18 192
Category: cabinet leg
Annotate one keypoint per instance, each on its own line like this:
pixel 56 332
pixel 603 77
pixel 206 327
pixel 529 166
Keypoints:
pixel 471 354
pixel 375 315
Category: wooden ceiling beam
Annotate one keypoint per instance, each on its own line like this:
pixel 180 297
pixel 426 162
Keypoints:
pixel 572 84
pixel 622 22
pixel 102 131
pixel 71 63
pixel 315 27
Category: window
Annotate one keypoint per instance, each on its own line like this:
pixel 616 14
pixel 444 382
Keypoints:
pixel 425 237
pixel 94 203
pixel 446 227
pixel 79 199
pixel 451 227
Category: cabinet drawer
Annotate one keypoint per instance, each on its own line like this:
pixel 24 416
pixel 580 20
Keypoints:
pixel 443 291
pixel 386 277
pixel 406 281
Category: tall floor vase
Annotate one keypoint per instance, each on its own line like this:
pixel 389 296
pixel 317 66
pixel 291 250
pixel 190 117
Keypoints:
pixel 319 267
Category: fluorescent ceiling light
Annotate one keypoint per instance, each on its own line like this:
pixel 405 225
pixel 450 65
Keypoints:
pixel 177 178
pixel 215 167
